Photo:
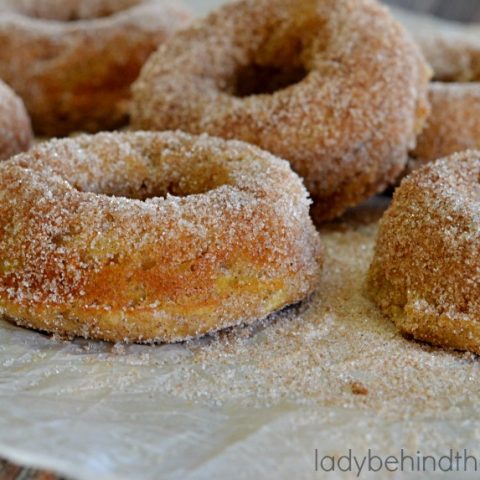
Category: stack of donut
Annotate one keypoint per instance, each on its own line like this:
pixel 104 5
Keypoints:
pixel 198 220
pixel 453 51
pixel 425 271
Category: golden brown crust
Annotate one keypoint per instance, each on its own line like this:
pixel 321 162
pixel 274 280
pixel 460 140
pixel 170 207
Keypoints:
pixel 453 126
pixel 15 130
pixel 453 51
pixel 73 71
pixel 144 237
pixel 426 272
pixel 345 126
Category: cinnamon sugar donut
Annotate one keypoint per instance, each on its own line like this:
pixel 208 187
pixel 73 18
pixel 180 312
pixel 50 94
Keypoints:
pixel 453 50
pixel 334 86
pixel 15 129
pixel 426 270
pixel 143 237
pixel 73 61
pixel 454 125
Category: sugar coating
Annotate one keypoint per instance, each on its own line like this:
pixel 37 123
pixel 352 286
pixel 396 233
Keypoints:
pixel 15 130
pixel 453 51
pixel 74 70
pixel 345 127
pixel 426 270
pixel 454 124
pixel 451 48
pixel 151 236
pixel 320 355
pixel 287 382
pixel 69 10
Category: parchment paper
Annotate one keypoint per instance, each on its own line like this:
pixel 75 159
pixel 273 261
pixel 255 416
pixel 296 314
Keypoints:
pixel 250 403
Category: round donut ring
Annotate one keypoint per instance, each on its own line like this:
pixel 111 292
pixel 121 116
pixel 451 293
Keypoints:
pixel 453 50
pixel 426 271
pixel 151 237
pixel 336 87
pixel 73 61
pixel 15 130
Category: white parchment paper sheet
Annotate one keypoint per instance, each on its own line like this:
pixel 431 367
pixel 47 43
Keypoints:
pixel 94 411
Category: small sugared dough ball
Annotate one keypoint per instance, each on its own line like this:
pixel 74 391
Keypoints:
pixel 73 61
pixel 15 129
pixel 426 271
pixel 336 87
pixel 152 237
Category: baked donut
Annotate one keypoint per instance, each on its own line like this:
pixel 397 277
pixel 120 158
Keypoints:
pixel 453 50
pixel 454 125
pixel 15 129
pixel 151 237
pixel 73 61
pixel 426 271
pixel 334 86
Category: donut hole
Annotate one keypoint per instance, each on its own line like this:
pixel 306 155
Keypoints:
pixel 184 181
pixel 281 57
pixel 257 79
pixel 137 165
pixel 71 10
pixel 184 187
pixel 156 182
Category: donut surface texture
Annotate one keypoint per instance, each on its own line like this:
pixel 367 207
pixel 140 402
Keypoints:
pixel 15 129
pixel 336 87
pixel 426 271
pixel 73 61
pixel 453 50
pixel 454 125
pixel 151 237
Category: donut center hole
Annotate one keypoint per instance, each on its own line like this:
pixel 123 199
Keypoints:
pixel 183 188
pixel 257 79
pixel 74 11
pixel 159 183
pixel 148 191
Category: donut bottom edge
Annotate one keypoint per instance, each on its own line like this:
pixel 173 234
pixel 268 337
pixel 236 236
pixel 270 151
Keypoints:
pixel 418 319
pixel 144 325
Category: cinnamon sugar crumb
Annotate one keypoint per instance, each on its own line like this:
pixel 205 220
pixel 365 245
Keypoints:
pixel 359 389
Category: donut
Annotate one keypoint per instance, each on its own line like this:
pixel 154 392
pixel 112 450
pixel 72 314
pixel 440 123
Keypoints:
pixel 151 237
pixel 426 270
pixel 454 125
pixel 15 129
pixel 336 87
pixel 453 50
pixel 454 57
pixel 73 61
